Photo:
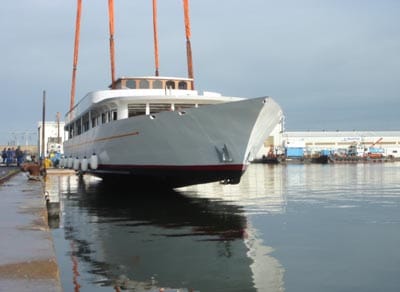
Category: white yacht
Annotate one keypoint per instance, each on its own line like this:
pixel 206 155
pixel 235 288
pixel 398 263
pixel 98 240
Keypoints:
pixel 160 130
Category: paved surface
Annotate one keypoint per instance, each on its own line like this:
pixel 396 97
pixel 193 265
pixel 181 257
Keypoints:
pixel 27 256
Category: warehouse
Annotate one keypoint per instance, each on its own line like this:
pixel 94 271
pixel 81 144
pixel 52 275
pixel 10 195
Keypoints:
pixel 385 142
pixel 309 143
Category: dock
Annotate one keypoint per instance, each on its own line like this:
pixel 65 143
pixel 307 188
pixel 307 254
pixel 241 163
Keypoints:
pixel 27 258
pixel 60 171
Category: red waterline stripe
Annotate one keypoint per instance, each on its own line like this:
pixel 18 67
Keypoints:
pixel 231 167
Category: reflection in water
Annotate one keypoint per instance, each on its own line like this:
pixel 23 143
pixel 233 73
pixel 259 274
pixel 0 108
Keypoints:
pixel 340 229
pixel 267 271
pixel 333 227
pixel 344 185
pixel 261 190
pixel 143 240
pixel 52 196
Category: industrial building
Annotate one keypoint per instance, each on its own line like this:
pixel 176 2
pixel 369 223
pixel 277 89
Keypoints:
pixel 313 142
pixel 386 142
pixel 51 140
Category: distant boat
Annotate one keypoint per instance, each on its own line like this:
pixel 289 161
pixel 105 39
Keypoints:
pixel 358 159
pixel 322 158
pixel 161 130
pixel 269 159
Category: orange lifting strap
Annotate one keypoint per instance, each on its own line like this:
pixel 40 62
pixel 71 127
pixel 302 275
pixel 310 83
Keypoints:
pixel 155 37
pixel 76 52
pixel 112 49
pixel 188 46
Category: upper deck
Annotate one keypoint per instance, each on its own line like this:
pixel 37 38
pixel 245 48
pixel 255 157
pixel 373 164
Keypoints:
pixel 144 92
pixel 153 82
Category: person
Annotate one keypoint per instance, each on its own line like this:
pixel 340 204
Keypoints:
pixel 4 155
pixel 10 155
pixel 19 155
pixel 55 159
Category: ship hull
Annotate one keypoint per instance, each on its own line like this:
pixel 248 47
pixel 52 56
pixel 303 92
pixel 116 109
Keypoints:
pixel 199 145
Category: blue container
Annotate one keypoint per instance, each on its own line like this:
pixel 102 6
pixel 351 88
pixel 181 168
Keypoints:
pixel 294 152
pixel 375 150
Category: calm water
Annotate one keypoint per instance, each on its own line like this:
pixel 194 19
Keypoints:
pixel 283 228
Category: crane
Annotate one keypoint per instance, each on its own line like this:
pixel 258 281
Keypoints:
pixel 373 152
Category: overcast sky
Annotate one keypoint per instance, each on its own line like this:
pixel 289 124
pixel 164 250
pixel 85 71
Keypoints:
pixel 330 64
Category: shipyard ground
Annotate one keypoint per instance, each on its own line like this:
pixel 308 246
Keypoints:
pixel 27 256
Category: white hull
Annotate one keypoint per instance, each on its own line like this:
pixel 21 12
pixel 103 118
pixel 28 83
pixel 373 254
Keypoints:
pixel 202 144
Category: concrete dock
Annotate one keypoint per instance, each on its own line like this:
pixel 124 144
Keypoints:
pixel 27 256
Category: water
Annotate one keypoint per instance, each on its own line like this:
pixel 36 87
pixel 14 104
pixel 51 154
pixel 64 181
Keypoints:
pixel 283 228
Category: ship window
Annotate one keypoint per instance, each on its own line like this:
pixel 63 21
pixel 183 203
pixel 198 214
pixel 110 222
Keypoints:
pixel 104 118
pixel 136 110
pixel 170 84
pixel 94 121
pixel 157 84
pixel 144 84
pixel 70 130
pixel 53 140
pixel 85 122
pixel 130 83
pixel 182 85
pixel 159 107
pixel 114 115
pixel 78 127
pixel 85 126
pixel 179 106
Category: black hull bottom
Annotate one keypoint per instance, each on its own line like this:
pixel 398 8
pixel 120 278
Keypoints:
pixel 170 177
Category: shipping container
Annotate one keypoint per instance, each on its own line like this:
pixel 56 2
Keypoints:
pixel 294 152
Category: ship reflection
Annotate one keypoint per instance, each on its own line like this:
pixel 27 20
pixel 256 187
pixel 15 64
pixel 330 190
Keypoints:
pixel 124 238
pixel 260 192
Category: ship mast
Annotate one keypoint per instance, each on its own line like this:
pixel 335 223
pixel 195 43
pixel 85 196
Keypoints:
pixel 112 50
pixel 155 37
pixel 188 46
pixel 76 52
